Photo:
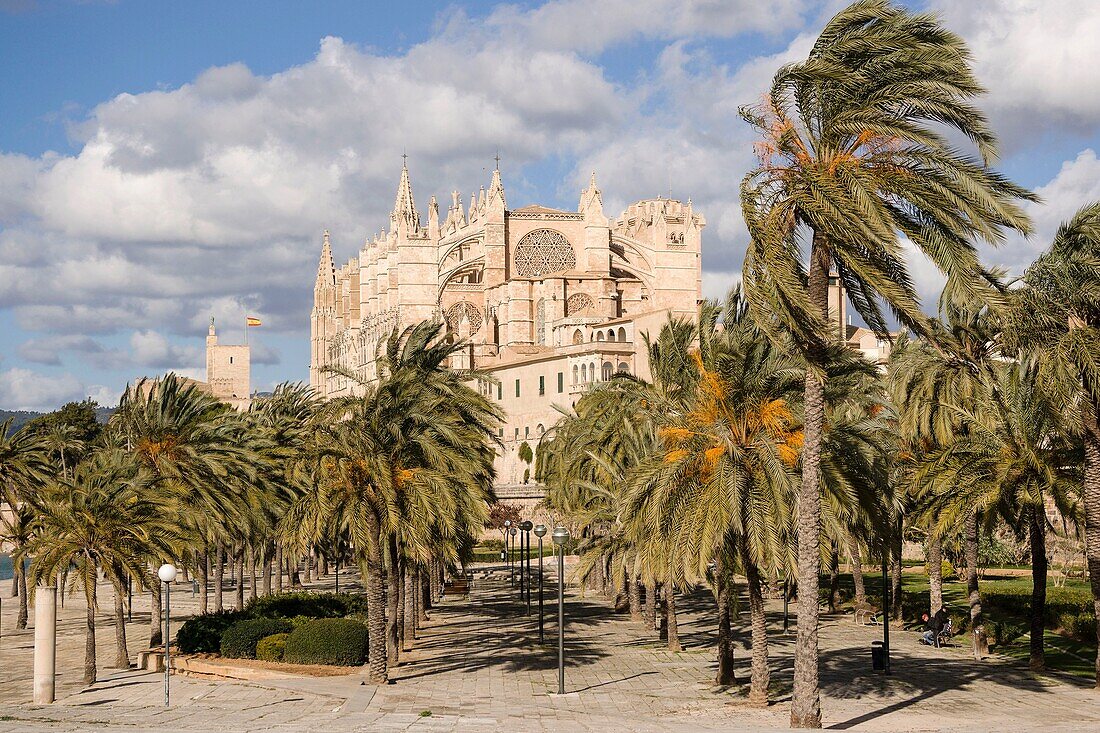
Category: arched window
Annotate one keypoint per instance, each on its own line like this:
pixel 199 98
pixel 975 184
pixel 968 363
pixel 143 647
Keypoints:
pixel 608 369
pixel 578 337
pixel 584 373
pixel 592 371
pixel 623 367
pixel 599 336
pixel 575 370
pixel 539 429
pixel 610 334
pixel 622 334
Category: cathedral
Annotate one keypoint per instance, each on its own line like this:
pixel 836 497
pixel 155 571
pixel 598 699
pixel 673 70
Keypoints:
pixel 547 301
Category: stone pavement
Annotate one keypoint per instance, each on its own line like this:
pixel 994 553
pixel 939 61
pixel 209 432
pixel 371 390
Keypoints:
pixel 478 667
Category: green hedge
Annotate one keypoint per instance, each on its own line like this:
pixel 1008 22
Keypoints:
pixel 203 633
pixel 337 641
pixel 239 640
pixel 303 603
pixel 271 648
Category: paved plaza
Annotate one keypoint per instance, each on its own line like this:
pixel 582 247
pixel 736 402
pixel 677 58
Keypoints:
pixel 478 667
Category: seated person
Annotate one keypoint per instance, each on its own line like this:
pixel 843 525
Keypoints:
pixel 942 621
pixel 930 630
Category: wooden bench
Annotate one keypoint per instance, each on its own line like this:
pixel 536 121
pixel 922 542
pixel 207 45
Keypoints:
pixel 457 587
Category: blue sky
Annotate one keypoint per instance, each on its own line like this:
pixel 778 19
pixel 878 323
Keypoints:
pixel 162 162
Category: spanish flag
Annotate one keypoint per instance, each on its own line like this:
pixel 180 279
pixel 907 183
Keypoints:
pixel 252 321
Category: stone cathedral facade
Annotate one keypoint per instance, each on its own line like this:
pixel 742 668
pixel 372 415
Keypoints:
pixel 547 301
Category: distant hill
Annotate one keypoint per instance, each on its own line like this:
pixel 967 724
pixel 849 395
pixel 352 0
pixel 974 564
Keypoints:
pixel 22 417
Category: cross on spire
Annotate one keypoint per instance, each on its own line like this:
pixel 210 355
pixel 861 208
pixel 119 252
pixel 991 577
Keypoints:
pixel 497 159
pixel 404 159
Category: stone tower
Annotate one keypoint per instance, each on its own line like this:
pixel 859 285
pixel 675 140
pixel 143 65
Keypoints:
pixel 228 370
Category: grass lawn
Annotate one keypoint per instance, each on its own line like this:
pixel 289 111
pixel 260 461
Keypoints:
pixel 1063 654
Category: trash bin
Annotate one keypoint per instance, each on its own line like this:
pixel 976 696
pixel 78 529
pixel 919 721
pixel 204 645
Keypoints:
pixel 878 656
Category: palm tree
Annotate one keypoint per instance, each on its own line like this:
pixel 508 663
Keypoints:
pixel 195 450
pixel 103 519
pixel 1058 322
pixel 408 458
pixel 1010 461
pixel 24 468
pixel 721 487
pixel 851 161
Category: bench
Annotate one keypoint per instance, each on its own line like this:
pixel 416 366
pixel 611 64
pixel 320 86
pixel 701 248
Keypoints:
pixel 151 660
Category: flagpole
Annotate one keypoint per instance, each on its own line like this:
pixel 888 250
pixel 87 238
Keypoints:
pixel 246 329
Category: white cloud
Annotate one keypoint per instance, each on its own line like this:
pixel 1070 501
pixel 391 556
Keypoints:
pixel 1037 58
pixel 23 389
pixel 153 349
pixel 591 27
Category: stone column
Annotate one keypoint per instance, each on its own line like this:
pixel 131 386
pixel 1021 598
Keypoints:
pixel 45 643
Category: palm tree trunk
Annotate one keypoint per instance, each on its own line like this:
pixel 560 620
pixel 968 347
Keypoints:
pixel 634 598
pixel 89 628
pixel 219 575
pixel 977 630
pixel 856 564
pixel 238 561
pixel 674 644
pixel 723 580
pixel 308 570
pixel 203 570
pixel 806 697
pixel 122 653
pixel 895 575
pixel 834 577
pixel 21 577
pixel 267 572
pixel 156 630
pixel 934 553
pixel 279 569
pixel 377 667
pixel 393 604
pixel 421 587
pixel 761 672
pixel 408 615
pixel 1037 534
pixel 251 575
pixel 1091 503
pixel 651 604
pixel 295 577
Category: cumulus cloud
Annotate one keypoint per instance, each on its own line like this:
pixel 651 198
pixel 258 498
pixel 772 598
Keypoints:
pixel 23 389
pixel 1038 60
pixel 153 349
pixel 592 27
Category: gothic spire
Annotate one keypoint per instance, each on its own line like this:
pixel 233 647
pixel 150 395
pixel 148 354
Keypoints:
pixel 325 267
pixel 496 188
pixel 404 208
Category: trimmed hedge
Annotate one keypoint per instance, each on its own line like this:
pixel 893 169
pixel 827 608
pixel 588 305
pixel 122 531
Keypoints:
pixel 239 640
pixel 302 603
pixel 336 641
pixel 203 633
pixel 270 648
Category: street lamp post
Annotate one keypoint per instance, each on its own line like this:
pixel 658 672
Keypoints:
pixel 525 568
pixel 167 574
pixel 560 537
pixel 540 532
pixel 511 560
pixel 507 553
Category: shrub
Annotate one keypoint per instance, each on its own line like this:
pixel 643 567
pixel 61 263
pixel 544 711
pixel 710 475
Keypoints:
pixel 239 640
pixel 1001 631
pixel 271 648
pixel 203 633
pixel 302 603
pixel 336 641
